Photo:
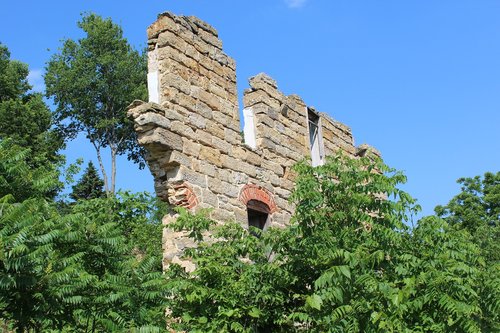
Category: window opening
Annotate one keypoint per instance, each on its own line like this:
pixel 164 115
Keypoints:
pixel 314 137
pixel 258 214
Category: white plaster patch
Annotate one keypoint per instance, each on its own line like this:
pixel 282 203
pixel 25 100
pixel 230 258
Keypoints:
pixel 153 89
pixel 249 128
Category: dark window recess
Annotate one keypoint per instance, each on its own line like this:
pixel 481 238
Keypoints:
pixel 258 213
pixel 314 140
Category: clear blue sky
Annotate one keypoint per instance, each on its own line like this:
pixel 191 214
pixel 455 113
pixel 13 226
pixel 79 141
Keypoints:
pixel 417 79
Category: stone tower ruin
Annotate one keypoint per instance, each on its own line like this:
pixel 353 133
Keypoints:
pixel 196 150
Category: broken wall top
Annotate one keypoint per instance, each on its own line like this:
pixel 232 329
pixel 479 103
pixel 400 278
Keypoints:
pixel 191 127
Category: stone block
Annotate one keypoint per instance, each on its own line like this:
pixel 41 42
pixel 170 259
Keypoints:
pixel 210 155
pixel 237 165
pixel 217 90
pixel 176 81
pixel 218 186
pixel 233 137
pixel 163 23
pixel 215 129
pixel 210 198
pixel 187 102
pixel 211 100
pixel 168 38
pixel 222 215
pixel 273 167
pixel 197 121
pixel 255 97
pixel 152 119
pixel 226 121
pixel 203 109
pixel 223 146
pixel 265 143
pixel 210 39
pixel 240 178
pixel 224 174
pixel 240 153
pixel 191 148
pixel 206 168
pixel 182 129
pixel 174 158
pixel 253 158
pixel 162 137
pixel 203 25
pixel 192 177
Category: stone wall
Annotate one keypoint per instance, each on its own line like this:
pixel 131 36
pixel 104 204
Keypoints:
pixel 192 132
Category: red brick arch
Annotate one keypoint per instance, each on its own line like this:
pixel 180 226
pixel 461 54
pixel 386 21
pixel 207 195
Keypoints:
pixel 254 192
pixel 184 196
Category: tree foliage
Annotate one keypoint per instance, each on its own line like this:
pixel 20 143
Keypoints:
pixel 24 117
pixel 90 185
pixel 78 270
pixel 476 209
pixel 92 81
pixel 347 263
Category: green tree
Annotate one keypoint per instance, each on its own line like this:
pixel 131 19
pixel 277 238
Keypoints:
pixel 92 81
pixel 24 117
pixel 476 209
pixel 77 270
pixel 90 185
pixel 347 263
pixel 27 232
pixel 19 180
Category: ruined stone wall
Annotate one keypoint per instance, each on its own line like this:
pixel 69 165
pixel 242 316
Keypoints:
pixel 192 133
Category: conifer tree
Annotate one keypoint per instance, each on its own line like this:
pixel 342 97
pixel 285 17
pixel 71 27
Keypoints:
pixel 90 185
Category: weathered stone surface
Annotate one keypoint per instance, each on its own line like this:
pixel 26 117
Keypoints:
pixel 194 139
pixel 191 148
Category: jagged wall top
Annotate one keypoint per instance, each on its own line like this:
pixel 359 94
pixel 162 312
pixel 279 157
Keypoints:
pixel 193 125
pixel 191 129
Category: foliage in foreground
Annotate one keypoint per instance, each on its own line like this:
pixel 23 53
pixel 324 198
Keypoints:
pixel 348 263
pixel 89 269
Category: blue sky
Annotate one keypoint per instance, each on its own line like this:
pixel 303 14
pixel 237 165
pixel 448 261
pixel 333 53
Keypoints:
pixel 417 79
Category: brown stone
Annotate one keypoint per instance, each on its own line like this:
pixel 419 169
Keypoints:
pixel 211 155
pixel 194 138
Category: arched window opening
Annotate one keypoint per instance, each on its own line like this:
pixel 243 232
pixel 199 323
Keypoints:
pixel 258 214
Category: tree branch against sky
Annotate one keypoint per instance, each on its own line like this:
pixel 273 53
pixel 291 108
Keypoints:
pixel 92 80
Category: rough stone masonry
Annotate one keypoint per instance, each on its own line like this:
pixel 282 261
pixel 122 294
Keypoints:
pixel 195 148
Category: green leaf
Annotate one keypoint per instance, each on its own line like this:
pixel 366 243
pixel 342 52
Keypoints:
pixel 314 301
pixel 255 313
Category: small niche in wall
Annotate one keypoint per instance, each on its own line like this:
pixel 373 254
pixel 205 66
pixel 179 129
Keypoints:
pixel 258 214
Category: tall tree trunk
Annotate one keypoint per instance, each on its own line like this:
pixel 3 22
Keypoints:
pixel 113 169
pixel 103 171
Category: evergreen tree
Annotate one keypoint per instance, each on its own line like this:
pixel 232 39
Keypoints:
pixel 90 186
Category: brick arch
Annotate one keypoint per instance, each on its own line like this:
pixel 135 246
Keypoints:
pixel 182 195
pixel 255 192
